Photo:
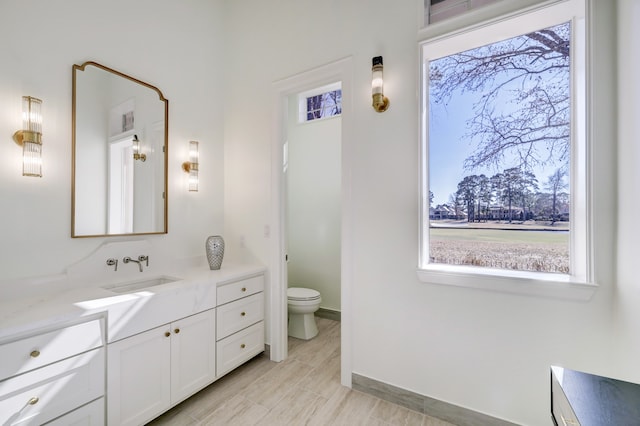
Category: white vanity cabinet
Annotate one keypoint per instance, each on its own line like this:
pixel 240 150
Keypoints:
pixel 53 376
pixel 154 370
pixel 240 322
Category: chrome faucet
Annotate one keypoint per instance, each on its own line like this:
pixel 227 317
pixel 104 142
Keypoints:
pixel 127 259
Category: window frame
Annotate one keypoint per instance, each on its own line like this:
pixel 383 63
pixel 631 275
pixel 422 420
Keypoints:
pixel 302 102
pixel 579 284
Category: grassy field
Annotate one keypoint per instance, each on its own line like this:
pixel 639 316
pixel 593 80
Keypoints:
pixel 529 250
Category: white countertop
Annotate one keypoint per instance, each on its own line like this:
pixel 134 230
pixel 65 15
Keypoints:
pixel 127 313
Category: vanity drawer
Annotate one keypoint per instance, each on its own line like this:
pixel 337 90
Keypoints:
pixel 238 289
pixel 240 314
pixel 238 348
pixel 26 354
pixel 44 394
pixel 91 414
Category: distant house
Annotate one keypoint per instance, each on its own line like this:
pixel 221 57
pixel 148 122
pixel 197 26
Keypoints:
pixel 503 213
pixel 444 212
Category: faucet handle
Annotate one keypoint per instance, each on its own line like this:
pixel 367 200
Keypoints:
pixel 144 258
pixel 111 262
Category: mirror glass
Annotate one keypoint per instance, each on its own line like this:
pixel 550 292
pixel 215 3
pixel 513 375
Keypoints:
pixel 120 147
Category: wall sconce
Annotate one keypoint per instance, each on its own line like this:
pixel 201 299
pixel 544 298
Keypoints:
pixel 136 150
pixel 30 137
pixel 191 166
pixel 380 102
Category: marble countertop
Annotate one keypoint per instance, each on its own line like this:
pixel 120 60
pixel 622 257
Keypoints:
pixel 73 297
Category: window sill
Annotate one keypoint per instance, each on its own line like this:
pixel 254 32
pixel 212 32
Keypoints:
pixel 558 286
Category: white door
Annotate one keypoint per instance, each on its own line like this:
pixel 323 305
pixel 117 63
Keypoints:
pixel 193 354
pixel 138 377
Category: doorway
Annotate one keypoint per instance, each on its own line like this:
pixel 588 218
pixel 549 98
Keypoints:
pixel 120 186
pixel 339 71
pixel 311 167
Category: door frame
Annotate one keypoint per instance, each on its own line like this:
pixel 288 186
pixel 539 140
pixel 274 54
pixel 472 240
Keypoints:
pixel 340 70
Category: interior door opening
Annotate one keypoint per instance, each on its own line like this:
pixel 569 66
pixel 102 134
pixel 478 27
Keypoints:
pixel 312 164
pixel 277 335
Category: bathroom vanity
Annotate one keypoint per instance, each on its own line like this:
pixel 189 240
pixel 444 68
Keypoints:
pixel 151 371
pixel 104 355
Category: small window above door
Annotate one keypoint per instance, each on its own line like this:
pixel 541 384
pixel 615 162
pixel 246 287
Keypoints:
pixel 320 103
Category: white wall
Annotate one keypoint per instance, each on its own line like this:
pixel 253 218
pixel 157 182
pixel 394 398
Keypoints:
pixel 313 205
pixel 175 46
pixel 627 312
pixel 483 350
pixel 487 351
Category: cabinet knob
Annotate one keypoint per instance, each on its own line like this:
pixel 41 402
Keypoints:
pixel 243 314
pixel 242 346
pixel 244 289
pixel 33 401
pixel 177 330
pixel 35 354
pixel 167 334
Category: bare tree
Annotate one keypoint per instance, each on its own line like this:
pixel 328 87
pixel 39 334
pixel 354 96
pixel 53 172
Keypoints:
pixel 523 108
pixel 555 184
pixel 455 202
pixel 527 190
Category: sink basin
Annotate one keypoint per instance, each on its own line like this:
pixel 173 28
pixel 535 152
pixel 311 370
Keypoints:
pixel 132 286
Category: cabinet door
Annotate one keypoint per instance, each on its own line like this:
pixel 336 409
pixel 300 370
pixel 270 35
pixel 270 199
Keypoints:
pixel 138 383
pixel 193 354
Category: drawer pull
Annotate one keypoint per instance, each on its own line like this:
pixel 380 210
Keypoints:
pixel 167 334
pixel 35 354
pixel 244 289
pixel 242 346
pixel 243 314
pixel 177 330
pixel 33 401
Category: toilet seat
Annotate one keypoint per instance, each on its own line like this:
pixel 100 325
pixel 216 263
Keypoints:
pixel 302 294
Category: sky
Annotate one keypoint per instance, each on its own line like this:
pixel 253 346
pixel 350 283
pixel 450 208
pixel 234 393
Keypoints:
pixel 448 148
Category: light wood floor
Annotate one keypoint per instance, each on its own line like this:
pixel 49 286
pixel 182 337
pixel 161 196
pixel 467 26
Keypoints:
pixel 303 390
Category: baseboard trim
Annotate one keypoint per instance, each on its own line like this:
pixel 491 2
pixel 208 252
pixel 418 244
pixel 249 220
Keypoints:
pixel 423 404
pixel 267 350
pixel 329 314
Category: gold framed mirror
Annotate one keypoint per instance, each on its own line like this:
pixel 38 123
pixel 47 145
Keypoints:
pixel 120 148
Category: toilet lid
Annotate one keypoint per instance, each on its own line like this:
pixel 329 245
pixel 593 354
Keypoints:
pixel 299 293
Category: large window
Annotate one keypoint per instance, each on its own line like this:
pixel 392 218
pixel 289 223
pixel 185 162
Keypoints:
pixel 504 170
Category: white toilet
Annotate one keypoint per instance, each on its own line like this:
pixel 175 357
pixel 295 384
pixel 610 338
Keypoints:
pixel 301 304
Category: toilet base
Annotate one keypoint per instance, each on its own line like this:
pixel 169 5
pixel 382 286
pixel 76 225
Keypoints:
pixel 302 326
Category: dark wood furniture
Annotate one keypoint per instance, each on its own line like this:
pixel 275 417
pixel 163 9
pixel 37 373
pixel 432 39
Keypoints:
pixel 588 400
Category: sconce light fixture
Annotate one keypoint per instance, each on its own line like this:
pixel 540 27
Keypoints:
pixel 380 102
pixel 30 137
pixel 191 166
pixel 136 150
